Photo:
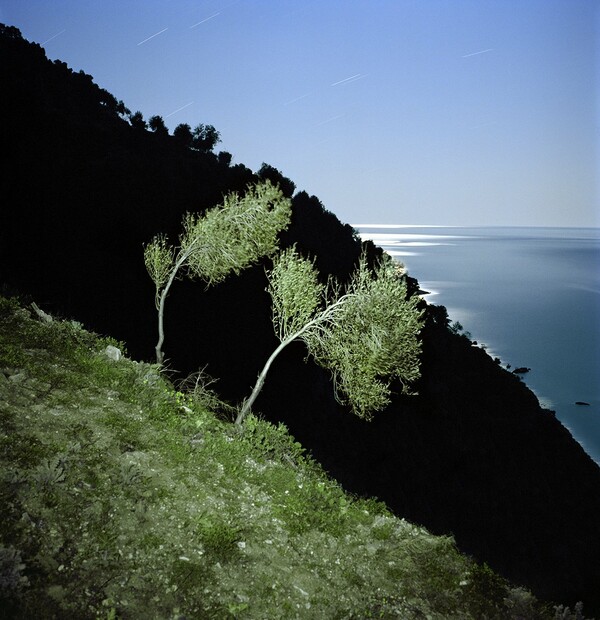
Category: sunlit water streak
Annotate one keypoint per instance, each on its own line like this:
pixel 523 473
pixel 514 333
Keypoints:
pixel 531 295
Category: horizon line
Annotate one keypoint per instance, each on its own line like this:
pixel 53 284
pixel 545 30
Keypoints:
pixel 472 226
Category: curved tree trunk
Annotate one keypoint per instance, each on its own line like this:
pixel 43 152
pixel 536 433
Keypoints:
pixel 247 406
pixel 160 356
pixel 320 318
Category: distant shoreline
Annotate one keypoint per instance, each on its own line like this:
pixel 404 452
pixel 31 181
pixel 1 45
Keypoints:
pixel 479 227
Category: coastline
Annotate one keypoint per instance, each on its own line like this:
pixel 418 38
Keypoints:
pixel 507 286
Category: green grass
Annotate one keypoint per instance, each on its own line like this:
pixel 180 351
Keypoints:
pixel 121 497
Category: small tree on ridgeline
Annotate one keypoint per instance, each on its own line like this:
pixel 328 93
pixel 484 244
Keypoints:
pixel 205 138
pixel 157 124
pixel 183 134
pixel 223 240
pixel 137 120
pixel 367 335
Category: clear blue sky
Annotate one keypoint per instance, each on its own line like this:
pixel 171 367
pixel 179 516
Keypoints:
pixel 449 112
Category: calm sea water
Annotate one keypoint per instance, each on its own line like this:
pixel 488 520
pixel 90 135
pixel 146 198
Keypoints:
pixel 531 295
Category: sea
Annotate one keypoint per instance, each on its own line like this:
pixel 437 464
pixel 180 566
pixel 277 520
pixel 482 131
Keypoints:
pixel 531 296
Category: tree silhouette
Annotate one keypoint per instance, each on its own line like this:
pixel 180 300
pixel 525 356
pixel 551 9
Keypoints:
pixel 137 120
pixel 122 110
pixel 183 134
pixel 225 158
pixel 225 239
pixel 367 335
pixel 10 32
pixel 205 138
pixel 157 125
pixel 276 177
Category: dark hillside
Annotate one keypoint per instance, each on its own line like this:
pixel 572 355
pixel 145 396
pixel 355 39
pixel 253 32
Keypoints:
pixel 473 455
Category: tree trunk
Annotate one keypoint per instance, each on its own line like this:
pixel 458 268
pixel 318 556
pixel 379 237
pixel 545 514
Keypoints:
pixel 323 316
pixel 247 406
pixel 160 356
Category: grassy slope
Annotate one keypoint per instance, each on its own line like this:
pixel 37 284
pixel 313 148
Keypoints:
pixel 121 497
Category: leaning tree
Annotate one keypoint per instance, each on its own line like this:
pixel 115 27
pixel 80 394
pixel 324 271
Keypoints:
pixel 366 334
pixel 223 240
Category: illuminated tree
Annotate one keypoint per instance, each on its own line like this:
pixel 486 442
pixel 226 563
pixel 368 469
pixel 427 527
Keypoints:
pixel 223 240
pixel 367 335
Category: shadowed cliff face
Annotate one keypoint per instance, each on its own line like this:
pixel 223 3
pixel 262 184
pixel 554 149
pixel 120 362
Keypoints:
pixel 473 455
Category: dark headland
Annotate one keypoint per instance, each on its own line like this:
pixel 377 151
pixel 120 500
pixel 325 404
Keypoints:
pixel 474 455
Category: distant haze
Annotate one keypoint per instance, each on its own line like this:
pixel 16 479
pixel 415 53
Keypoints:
pixel 478 112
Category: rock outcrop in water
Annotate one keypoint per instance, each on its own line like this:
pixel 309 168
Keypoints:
pixel 473 455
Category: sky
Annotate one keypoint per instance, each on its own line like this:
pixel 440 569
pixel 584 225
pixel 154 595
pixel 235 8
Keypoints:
pixel 416 112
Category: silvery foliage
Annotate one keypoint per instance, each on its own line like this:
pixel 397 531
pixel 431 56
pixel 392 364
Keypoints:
pixel 221 241
pixel 366 334
pixel 371 339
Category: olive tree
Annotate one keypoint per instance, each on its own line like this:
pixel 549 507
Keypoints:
pixel 366 334
pixel 223 240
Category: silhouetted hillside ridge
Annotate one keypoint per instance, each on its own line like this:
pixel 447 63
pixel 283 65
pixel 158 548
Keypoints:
pixel 474 455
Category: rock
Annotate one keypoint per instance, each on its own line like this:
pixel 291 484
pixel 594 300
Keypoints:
pixel 151 377
pixel 113 353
